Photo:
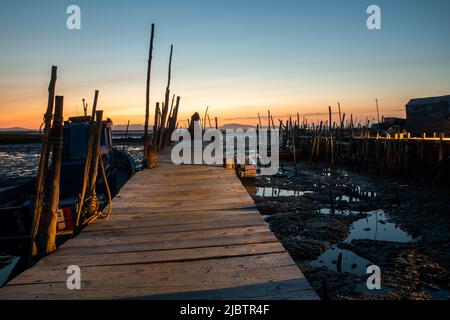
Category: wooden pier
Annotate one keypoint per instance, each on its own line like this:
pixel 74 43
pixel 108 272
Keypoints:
pixel 176 232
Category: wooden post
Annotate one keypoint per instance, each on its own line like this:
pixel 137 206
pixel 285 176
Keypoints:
pixel 147 94
pixel 87 164
pixel 172 123
pixel 340 114
pixel 126 136
pixel 156 125
pixel 84 107
pixel 95 156
pixel 51 219
pixel 43 164
pixel 217 124
pixel 166 103
pixel 378 110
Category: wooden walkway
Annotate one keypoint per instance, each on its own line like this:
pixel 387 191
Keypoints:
pixel 176 232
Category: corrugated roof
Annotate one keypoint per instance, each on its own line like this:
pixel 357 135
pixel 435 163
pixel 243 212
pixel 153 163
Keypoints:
pixel 427 101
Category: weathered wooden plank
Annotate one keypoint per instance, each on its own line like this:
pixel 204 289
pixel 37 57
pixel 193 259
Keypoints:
pixel 179 255
pixel 152 284
pixel 278 290
pixel 157 244
pixel 249 221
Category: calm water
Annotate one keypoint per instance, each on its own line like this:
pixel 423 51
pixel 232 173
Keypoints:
pixel 19 162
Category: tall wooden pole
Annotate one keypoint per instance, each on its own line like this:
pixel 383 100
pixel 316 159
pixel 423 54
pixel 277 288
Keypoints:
pixel 340 114
pixel 378 110
pixel 51 219
pixel 166 102
pixel 43 164
pixel 147 94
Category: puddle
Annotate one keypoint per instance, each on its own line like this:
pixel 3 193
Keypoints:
pixel 361 193
pixel 351 262
pixel 276 192
pixel 347 199
pixel 327 211
pixel 376 227
pixel 7 265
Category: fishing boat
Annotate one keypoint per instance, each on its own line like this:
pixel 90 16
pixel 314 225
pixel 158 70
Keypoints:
pixel 17 203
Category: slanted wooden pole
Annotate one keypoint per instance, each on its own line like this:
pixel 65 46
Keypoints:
pixel 147 94
pixel 43 164
pixel 50 220
pixel 126 136
pixel 204 118
pixel 209 121
pixel 172 123
pixel 87 164
pixel 95 154
pixel 166 103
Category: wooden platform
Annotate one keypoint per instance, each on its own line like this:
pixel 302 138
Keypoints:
pixel 176 232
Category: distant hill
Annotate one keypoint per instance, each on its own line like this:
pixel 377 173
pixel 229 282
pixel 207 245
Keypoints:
pixel 133 127
pixel 236 126
pixel 16 129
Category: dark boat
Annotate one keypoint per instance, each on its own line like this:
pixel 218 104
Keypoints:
pixel 17 203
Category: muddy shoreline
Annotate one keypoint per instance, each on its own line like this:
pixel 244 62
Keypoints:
pixel 336 222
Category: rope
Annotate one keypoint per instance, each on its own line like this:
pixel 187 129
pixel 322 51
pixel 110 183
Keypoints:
pixel 150 164
pixel 108 191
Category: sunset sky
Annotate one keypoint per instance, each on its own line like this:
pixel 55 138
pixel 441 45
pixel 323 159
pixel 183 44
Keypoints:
pixel 238 57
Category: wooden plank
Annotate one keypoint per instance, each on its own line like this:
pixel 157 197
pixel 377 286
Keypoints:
pixel 151 256
pixel 250 221
pixel 152 284
pixel 279 290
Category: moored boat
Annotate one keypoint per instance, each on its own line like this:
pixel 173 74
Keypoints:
pixel 17 203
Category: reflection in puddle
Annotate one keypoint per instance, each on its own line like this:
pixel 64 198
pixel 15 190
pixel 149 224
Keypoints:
pixel 375 227
pixel 360 193
pixel 276 192
pixel 347 199
pixel 327 211
pixel 351 262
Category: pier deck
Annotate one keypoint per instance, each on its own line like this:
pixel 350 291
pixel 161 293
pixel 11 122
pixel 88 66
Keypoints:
pixel 176 232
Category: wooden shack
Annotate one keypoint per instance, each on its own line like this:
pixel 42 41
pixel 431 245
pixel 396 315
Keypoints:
pixel 428 115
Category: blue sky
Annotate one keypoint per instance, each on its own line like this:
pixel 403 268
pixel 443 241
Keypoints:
pixel 239 57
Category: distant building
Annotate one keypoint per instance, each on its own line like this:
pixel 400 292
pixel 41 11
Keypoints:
pixel 390 125
pixel 428 115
